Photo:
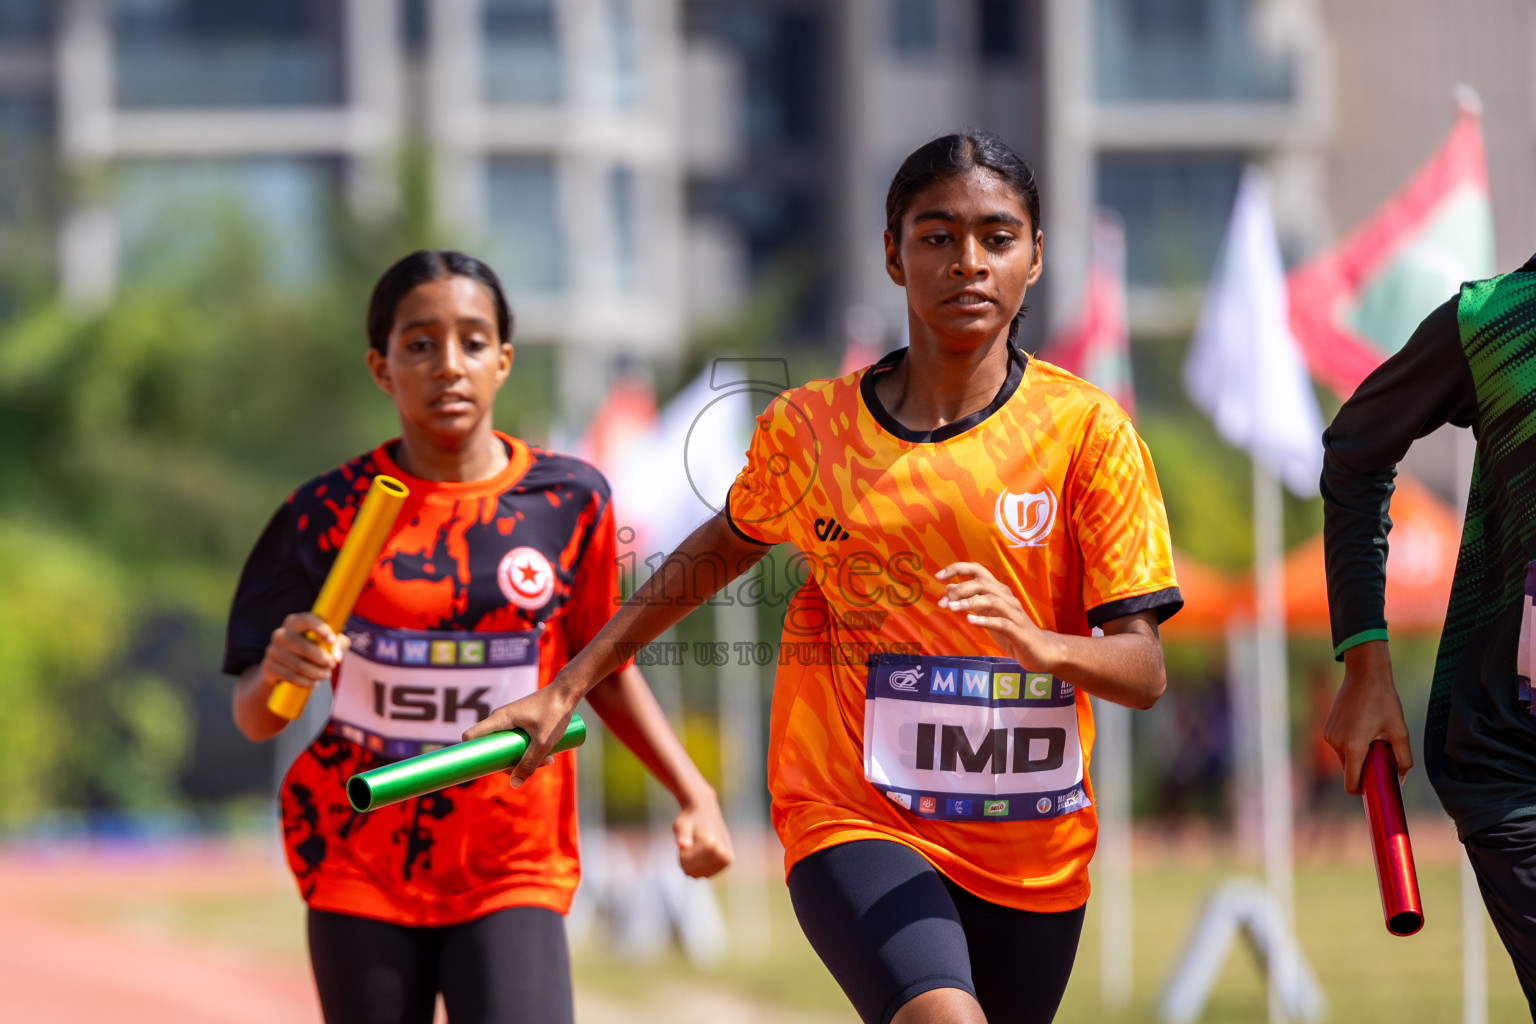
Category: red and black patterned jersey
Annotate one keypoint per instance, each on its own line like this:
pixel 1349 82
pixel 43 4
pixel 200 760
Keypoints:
pixel 525 556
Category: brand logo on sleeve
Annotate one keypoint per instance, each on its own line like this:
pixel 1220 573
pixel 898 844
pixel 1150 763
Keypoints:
pixel 1025 519
pixel 830 530
pixel 526 578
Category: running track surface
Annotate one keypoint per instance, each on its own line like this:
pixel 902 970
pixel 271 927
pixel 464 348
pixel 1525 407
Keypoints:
pixel 79 944
pixel 63 959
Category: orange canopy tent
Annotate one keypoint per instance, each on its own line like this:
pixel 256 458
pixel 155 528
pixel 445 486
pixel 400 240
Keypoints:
pixel 1421 562
pixel 1210 594
pixel 1425 538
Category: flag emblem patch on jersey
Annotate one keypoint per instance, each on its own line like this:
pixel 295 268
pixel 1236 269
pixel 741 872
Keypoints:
pixel 526 578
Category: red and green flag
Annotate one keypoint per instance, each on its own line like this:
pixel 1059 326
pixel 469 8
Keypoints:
pixel 1095 343
pixel 1357 304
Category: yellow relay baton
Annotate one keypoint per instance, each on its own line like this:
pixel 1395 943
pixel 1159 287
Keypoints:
pixel 348 574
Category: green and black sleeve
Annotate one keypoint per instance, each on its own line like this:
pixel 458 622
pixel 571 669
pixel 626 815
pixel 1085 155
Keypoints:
pixel 1424 386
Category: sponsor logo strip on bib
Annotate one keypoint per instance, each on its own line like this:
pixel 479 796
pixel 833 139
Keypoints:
pixel 972 739
pixel 403 692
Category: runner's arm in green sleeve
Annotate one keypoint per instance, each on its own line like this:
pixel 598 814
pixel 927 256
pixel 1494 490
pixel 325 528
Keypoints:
pixel 1421 388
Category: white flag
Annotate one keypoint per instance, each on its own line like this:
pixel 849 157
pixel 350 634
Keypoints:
pixel 1244 368
pixel 677 475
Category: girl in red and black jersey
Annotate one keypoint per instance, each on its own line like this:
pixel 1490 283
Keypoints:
pixel 500 567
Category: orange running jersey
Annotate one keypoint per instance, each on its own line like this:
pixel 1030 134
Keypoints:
pixel 1049 487
pixel 517 571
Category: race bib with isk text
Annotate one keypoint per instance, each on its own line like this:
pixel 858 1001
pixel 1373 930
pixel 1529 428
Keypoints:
pixel 972 738
pixel 402 692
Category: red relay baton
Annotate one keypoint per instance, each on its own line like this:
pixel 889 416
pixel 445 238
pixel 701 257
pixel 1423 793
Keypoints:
pixel 1400 904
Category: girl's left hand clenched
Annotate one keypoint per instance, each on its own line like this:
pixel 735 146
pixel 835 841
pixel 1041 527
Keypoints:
pixel 703 843
pixel 990 604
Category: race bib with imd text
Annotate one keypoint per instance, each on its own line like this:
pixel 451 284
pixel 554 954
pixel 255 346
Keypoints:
pixel 972 738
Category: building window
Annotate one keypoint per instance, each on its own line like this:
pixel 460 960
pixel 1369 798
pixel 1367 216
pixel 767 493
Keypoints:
pixel 522 52
pixel 26 148
pixel 1175 208
pixel 175 214
pixel 998 31
pixel 1150 50
pixel 414 29
pixel 1169 17
pixel 626 234
pixel 527 245
pixel 211 53
pixel 25 21
pixel 622 82
pixel 914 28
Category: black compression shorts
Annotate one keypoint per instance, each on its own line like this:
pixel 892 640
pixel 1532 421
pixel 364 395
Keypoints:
pixel 508 967
pixel 890 927
pixel 1504 859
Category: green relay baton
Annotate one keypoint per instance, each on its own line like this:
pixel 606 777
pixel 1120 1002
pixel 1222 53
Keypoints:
pixel 449 766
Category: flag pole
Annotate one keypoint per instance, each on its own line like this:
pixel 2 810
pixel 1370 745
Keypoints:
pixel 1474 955
pixel 1245 372
pixel 1112 791
pixel 1474 967
pixel 1274 744
pixel 741 775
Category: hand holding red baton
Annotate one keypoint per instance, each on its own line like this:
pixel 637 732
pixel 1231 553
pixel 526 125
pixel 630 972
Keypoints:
pixel 1395 874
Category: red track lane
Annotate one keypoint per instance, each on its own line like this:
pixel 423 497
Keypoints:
pixel 58 964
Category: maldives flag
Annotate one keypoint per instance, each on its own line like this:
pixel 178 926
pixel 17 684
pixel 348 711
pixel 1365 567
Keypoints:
pixel 1095 344
pixel 1356 304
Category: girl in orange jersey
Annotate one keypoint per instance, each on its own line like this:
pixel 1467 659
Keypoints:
pixel 501 564
pixel 969 518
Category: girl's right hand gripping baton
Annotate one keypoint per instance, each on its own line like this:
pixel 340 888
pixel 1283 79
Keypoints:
pixel 348 573
pixel 449 766
pixel 1399 883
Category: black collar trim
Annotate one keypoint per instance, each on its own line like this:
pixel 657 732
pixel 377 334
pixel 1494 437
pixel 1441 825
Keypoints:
pixel 889 423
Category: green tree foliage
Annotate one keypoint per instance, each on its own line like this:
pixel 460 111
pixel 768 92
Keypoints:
pixel 146 444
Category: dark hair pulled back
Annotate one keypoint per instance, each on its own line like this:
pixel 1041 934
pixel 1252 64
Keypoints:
pixel 950 156
pixel 420 267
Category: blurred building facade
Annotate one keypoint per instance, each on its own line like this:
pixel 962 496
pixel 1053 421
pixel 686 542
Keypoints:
pixel 636 168
pixel 287 105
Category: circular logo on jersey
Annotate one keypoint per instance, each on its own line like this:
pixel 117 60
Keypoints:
pixel 526 577
pixel 1043 804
